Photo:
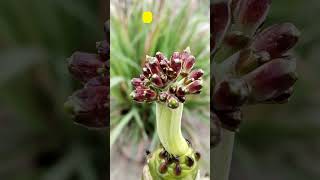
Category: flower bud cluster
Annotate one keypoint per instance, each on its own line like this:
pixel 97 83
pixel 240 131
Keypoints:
pixel 167 80
pixel 89 106
pixel 250 66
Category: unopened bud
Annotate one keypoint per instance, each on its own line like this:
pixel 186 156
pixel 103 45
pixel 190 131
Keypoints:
pixel 277 39
pixel 84 66
pixel 172 102
pixel 196 74
pixel 194 87
pixel 156 80
pixel 250 14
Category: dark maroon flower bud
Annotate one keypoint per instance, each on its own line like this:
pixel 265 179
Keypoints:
pixel 194 87
pixel 180 92
pixel 277 39
pixel 150 95
pixel 156 80
pixel 163 154
pixel 177 169
pixel 271 79
pixel 138 95
pixel 136 82
pixel 175 55
pixel 146 72
pixel 160 56
pixel 103 49
pixel 153 65
pixel 164 64
pixel 176 65
pixel 172 102
pixel 163 96
pixel 197 155
pixel 250 14
pixel 196 74
pixel 230 94
pixel 163 168
pixel 89 106
pixel 221 19
pixel 188 63
pixel 189 161
pixel 84 66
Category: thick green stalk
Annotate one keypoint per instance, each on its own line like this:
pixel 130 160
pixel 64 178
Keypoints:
pixel 169 129
pixel 221 156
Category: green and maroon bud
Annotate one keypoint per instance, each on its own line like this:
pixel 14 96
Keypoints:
pixel 250 14
pixel 230 94
pixel 196 74
pixel 84 66
pixel 221 20
pixel 277 39
pixel 271 79
pixel 194 87
pixel 172 102
pixel 157 81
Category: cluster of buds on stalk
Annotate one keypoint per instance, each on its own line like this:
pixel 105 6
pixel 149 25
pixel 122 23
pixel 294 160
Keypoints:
pixel 168 80
pixel 89 106
pixel 250 65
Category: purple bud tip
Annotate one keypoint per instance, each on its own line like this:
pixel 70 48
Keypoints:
pixel 194 87
pixel 196 74
pixel 177 170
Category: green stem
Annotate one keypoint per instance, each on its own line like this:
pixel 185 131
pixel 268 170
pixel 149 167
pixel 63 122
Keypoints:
pixel 169 129
pixel 221 156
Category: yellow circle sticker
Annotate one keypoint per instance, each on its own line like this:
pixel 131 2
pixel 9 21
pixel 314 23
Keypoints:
pixel 147 17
